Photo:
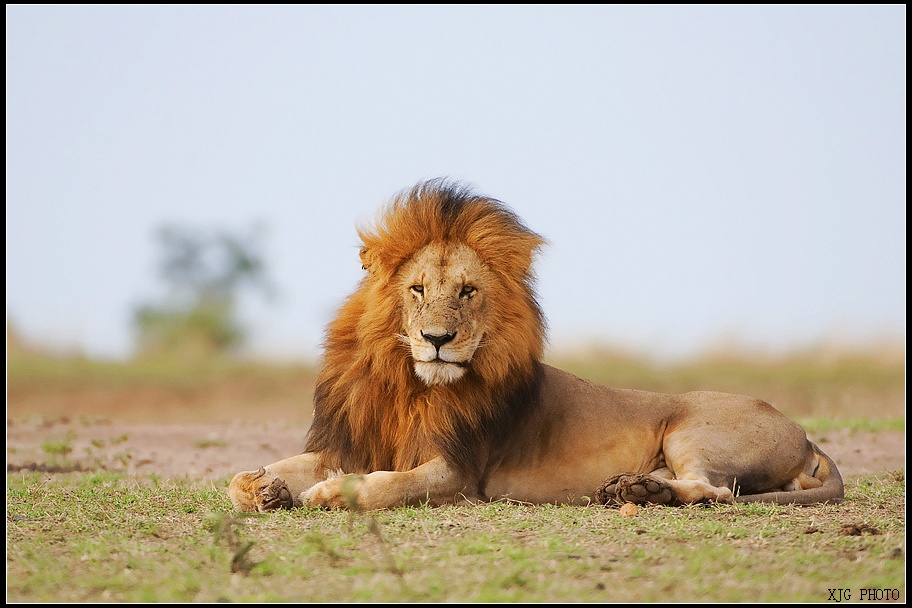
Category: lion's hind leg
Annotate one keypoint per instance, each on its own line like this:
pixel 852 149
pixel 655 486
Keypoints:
pixel 636 488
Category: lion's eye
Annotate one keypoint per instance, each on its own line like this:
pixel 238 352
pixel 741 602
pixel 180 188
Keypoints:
pixel 417 289
pixel 467 290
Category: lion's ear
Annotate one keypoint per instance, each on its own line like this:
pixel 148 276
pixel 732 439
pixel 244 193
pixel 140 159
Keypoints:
pixel 367 260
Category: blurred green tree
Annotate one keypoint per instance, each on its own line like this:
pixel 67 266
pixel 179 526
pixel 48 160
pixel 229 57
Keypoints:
pixel 204 271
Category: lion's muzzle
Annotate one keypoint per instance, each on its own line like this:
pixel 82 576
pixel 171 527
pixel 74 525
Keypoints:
pixel 438 340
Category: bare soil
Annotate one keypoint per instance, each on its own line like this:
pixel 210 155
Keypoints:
pixel 216 451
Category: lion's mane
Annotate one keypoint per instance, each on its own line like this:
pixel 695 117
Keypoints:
pixel 371 411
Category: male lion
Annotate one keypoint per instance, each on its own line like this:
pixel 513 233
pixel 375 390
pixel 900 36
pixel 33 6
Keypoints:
pixel 433 391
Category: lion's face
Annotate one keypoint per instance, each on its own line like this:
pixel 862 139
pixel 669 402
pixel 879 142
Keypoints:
pixel 444 310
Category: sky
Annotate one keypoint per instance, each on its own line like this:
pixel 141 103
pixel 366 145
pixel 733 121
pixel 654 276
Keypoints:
pixel 702 174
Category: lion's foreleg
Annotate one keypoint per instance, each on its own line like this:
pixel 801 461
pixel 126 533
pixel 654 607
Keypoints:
pixel 275 486
pixel 434 483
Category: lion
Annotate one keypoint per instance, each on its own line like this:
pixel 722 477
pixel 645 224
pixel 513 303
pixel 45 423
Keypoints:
pixel 433 392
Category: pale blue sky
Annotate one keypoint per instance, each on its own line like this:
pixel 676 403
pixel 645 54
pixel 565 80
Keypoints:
pixel 699 171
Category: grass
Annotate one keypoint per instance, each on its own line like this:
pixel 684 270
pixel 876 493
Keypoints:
pixel 59 448
pixel 208 390
pixel 80 531
pixel 93 537
pixel 74 372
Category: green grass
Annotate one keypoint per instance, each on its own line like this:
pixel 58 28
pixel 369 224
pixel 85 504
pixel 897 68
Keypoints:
pixel 99 537
pixel 59 448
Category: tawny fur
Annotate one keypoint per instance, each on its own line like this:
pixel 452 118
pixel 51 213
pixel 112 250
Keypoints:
pixel 432 390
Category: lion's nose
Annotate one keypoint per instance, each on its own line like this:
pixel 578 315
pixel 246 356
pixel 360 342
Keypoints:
pixel 438 340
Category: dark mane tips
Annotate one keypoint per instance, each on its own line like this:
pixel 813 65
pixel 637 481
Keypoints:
pixel 460 204
pixel 449 196
pixel 441 210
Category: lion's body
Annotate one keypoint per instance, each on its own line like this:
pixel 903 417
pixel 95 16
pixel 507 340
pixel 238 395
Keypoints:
pixel 432 389
pixel 584 433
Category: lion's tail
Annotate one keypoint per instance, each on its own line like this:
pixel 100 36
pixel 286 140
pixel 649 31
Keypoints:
pixel 831 488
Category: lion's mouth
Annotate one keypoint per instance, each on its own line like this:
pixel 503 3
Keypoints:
pixel 440 361
pixel 440 371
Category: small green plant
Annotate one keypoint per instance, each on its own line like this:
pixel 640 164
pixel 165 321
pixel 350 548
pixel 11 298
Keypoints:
pixel 59 449
pixel 226 528
pixel 98 458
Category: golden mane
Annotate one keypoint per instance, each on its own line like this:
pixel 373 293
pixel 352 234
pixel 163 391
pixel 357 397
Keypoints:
pixel 371 412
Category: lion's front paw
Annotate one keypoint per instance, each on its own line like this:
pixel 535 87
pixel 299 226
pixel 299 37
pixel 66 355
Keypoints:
pixel 636 488
pixel 335 493
pixel 259 491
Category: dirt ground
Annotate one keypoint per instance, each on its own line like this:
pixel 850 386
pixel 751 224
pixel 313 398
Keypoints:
pixel 217 451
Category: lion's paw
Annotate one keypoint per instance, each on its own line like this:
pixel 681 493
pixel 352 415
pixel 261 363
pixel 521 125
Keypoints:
pixel 259 491
pixel 636 488
pixel 334 493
